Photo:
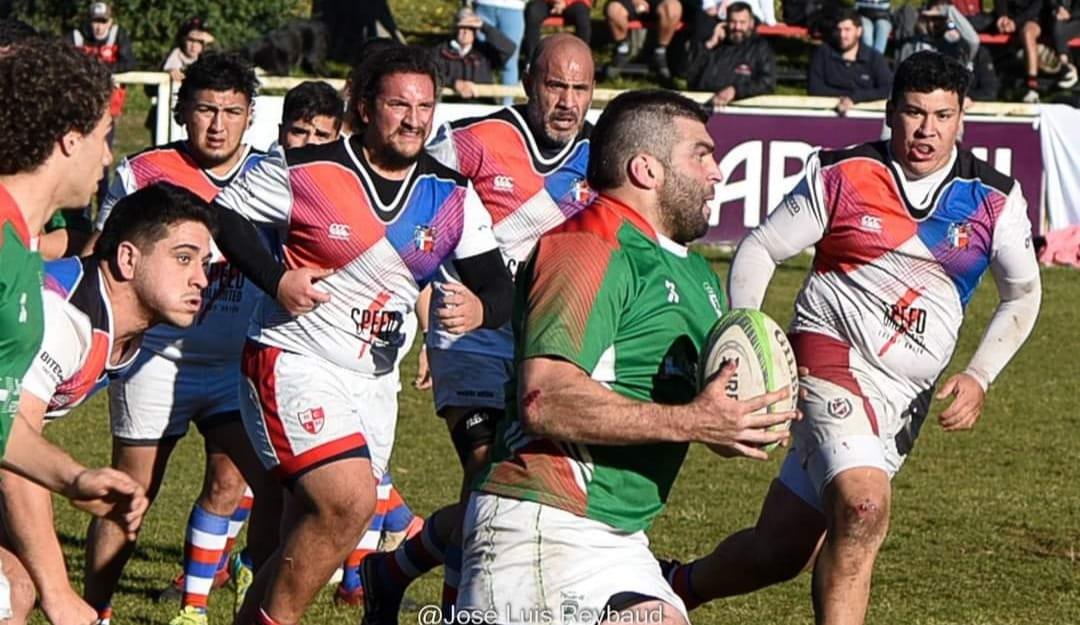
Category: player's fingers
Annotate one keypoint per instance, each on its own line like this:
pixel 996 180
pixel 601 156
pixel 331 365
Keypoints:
pixel 721 377
pixel 803 371
pixel 748 451
pixel 757 403
pixel 318 273
pixel 317 296
pixel 769 419
pixel 946 389
pixel 454 299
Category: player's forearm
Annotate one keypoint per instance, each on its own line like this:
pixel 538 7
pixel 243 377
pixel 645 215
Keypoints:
pixel 561 402
pixel 1009 327
pixel 751 270
pixel 28 520
pixel 30 455
pixel 240 242
pixel 487 276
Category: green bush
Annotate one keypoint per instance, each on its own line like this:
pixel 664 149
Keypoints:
pixel 152 24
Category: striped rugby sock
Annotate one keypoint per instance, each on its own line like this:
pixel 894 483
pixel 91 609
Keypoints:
pixel 206 537
pixel 451 576
pixel 398 513
pixel 414 557
pixel 236 523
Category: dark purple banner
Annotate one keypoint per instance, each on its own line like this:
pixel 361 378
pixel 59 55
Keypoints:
pixel 762 158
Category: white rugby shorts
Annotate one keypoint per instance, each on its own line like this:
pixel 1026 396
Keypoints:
pixel 853 416
pixel 159 397
pixel 526 562
pixel 301 412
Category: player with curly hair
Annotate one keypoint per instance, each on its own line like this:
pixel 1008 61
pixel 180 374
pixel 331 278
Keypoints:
pixel 52 150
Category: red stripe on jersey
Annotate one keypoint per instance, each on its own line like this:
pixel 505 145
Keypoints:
pixel 172 165
pixel 10 213
pixel 868 217
pixel 75 389
pixel 506 173
pixel 543 467
pixel 332 222
pixel 830 360
pixel 298 464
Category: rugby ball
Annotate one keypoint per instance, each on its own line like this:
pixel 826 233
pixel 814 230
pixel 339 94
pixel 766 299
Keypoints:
pixel 763 356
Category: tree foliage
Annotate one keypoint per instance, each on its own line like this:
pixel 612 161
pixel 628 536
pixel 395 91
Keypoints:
pixel 152 24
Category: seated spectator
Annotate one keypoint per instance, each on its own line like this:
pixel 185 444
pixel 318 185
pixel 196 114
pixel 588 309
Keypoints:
pixel 712 19
pixel 738 66
pixel 942 28
pixel 465 61
pixel 876 18
pixel 844 67
pixel 1022 18
pixel 666 13
pixel 972 10
pixel 573 12
pixel 193 38
pixel 1063 25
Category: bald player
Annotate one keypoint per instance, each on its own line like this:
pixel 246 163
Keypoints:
pixel 527 163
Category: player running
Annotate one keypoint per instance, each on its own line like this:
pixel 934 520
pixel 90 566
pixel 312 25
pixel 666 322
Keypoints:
pixel 527 164
pixel 903 231
pixel 611 313
pixel 371 219
pixel 52 150
pixel 190 374
pixel 147 268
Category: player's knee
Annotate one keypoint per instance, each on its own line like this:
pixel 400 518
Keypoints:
pixel 861 517
pixel 225 489
pixel 348 514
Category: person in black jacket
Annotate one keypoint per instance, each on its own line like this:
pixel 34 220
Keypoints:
pixel 845 68
pixel 465 61
pixel 741 65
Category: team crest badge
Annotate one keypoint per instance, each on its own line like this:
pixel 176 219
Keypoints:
pixel 960 236
pixel 313 420
pixel 839 407
pixel 581 191
pixel 424 238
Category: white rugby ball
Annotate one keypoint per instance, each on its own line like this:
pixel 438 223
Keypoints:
pixel 763 356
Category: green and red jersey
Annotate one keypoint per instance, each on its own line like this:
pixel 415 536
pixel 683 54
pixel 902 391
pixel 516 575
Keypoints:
pixel 21 317
pixel 632 309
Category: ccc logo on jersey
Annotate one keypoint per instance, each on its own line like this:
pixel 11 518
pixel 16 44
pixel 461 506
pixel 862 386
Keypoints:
pixel 503 183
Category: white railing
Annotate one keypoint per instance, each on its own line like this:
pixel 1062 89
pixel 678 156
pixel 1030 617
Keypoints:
pixel 164 91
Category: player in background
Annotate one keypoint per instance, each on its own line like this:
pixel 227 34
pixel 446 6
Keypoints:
pixel 371 219
pixel 527 164
pixel 191 374
pixel 147 268
pixel 594 436
pixel 49 160
pixel 903 231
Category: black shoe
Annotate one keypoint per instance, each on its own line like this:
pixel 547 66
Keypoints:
pixel 660 64
pixel 381 603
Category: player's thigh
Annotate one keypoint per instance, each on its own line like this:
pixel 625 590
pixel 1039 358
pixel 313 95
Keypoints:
pixel 334 493
pixel 299 412
pixel 527 561
pixel 789 529
pixel 647 612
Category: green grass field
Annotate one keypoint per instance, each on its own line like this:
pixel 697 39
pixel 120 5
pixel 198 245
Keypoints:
pixel 985 529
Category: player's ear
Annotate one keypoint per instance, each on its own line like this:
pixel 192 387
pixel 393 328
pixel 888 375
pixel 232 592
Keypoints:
pixel 362 111
pixel 69 142
pixel 127 257
pixel 643 171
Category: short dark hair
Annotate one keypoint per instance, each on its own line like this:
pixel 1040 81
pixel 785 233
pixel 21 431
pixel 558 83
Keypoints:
pixel 844 14
pixel 143 218
pixel 47 88
pixel 368 75
pixel 928 71
pixel 310 99
pixel 367 50
pixel 635 122
pixel 12 31
pixel 739 7
pixel 191 24
pixel 217 71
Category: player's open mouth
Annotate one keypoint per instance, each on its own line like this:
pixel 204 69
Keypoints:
pixel 921 152
pixel 193 303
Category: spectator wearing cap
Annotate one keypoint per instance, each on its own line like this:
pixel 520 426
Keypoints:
pixel 843 67
pixel 467 59
pixel 101 37
pixel 573 12
pixel 737 65
pixel 193 38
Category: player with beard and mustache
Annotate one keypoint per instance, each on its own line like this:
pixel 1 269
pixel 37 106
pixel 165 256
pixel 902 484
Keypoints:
pixel 527 164
pixel 366 222
pixel 611 313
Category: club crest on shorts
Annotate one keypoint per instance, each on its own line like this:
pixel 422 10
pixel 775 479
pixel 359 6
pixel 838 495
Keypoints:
pixel 312 420
pixel 960 235
pixel 839 407
pixel 424 238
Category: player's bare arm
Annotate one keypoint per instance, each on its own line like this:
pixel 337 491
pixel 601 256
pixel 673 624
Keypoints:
pixel 32 537
pixel 559 400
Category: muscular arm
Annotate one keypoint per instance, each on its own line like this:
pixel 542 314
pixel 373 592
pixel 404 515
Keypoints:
pixel 240 242
pixel 27 507
pixel 487 276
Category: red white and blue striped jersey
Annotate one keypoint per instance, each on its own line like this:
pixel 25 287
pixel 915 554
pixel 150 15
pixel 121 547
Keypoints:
pixel 526 191
pixel 324 202
pixel 896 260
pixel 228 300
pixel 73 362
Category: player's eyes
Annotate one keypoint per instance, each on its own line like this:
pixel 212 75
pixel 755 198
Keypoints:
pixel 183 259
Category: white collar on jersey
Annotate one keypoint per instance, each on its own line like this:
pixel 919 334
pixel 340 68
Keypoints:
pixel 922 191
pixel 677 249
pixel 535 149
